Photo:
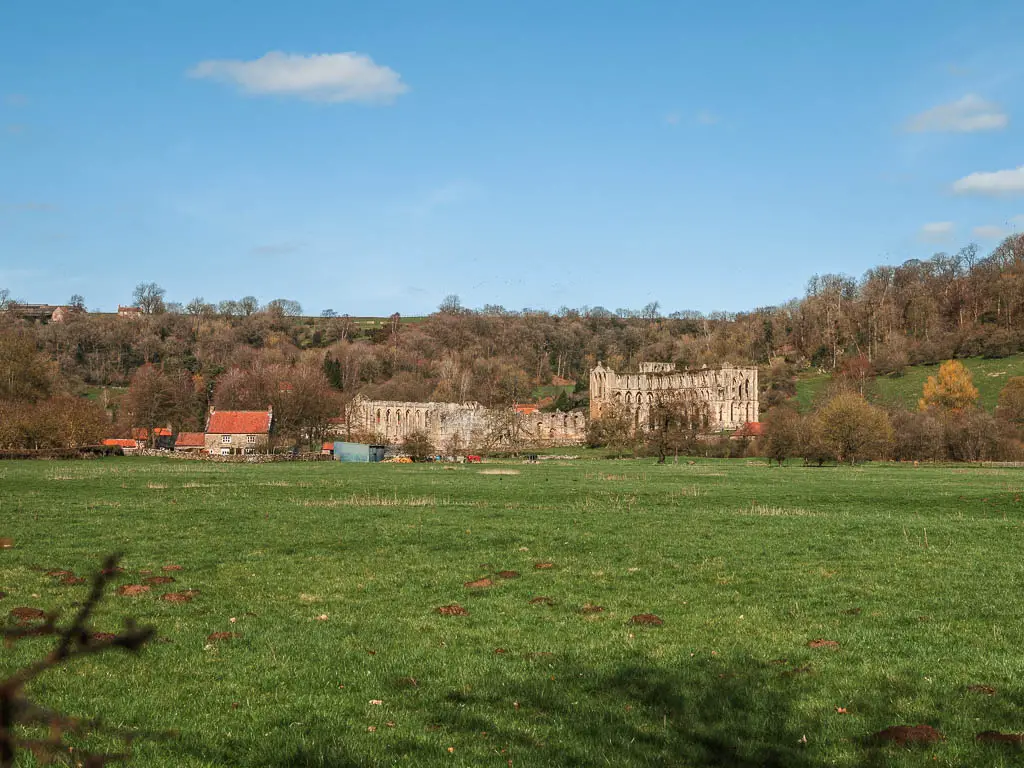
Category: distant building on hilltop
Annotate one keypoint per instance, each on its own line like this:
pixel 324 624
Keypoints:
pixel 44 313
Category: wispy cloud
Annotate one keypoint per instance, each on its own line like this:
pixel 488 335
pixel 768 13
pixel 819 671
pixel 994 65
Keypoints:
pixel 707 117
pixel 701 117
pixel 451 193
pixel 1008 182
pixel 966 115
pixel 277 249
pixel 30 206
pixel 330 77
pixel 990 232
pixel 936 231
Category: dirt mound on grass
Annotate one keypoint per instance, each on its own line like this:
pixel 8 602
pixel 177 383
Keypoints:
pixel 132 590
pixel 902 735
pixel 995 737
pixel 103 636
pixel 115 571
pixel 453 610
pixel 158 580
pixel 70 580
pixel 647 619
pixel 25 615
pixel 820 643
pixel 215 637
pixel 479 584
pixel 172 568
pixel 987 690
pixel 542 600
pixel 508 574
pixel 543 566
pixel 59 574
pixel 179 597
pixel 590 609
pixel 6 543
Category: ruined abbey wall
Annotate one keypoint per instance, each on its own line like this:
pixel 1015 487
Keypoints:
pixel 392 421
pixel 472 425
pixel 730 393
pixel 553 428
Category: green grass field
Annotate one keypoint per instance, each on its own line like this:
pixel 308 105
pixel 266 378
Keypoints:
pixel 915 573
pixel 990 376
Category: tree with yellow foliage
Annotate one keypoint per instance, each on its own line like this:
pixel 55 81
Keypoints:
pixel 951 390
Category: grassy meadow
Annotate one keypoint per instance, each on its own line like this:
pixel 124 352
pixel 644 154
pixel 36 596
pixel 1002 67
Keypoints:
pixel 989 375
pixel 331 576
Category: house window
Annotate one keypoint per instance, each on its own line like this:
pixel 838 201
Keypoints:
pixel 250 438
pixel 225 438
pixel 225 451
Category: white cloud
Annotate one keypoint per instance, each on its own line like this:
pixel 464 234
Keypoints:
pixel 967 115
pixel 992 182
pixel 672 118
pixel 331 77
pixel 990 232
pixel 936 231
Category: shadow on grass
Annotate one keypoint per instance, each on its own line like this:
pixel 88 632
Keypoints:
pixel 741 712
pixel 643 714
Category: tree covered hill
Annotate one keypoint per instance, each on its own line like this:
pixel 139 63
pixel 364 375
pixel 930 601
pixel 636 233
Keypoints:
pixel 885 329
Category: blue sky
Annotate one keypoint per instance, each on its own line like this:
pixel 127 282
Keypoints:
pixel 375 157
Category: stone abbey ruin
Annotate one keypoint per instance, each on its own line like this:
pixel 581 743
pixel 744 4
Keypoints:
pixel 728 395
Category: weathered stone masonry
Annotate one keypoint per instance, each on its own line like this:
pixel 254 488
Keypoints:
pixel 729 392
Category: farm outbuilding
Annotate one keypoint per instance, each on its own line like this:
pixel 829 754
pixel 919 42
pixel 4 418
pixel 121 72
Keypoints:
pixel 358 452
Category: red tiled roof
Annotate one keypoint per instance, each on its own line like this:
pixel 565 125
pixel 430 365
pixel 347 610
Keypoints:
pixel 750 429
pixel 239 423
pixel 190 440
pixel 141 433
pixel 328 446
pixel 120 442
pixel 526 408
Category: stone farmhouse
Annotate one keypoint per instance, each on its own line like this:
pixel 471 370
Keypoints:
pixel 729 393
pixel 238 432
pixel 44 313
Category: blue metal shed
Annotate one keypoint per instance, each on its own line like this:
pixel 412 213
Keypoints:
pixel 359 452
